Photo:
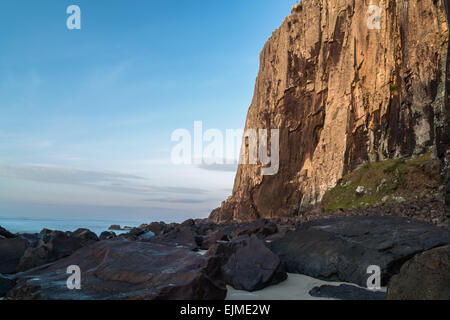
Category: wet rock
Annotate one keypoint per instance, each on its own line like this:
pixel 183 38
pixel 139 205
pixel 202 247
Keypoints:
pixel 11 251
pixel 115 227
pixel 346 292
pixel 121 270
pixel 247 264
pixel 341 249
pixel 424 277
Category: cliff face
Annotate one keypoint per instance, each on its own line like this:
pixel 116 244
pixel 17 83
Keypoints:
pixel 343 92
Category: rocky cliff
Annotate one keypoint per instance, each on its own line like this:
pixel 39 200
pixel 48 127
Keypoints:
pixel 345 83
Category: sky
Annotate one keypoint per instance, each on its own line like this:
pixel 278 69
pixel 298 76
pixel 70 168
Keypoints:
pixel 86 116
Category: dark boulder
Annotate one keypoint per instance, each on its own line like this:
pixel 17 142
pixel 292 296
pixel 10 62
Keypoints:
pixel 11 251
pixel 188 223
pixel 424 277
pixel 85 236
pixel 32 238
pixel 208 241
pixel 6 234
pixel 6 284
pixel 262 228
pixel 146 236
pixel 247 264
pixel 55 245
pixel 115 227
pixel 182 236
pixel 107 235
pixel 122 270
pixel 346 292
pixel 341 249
pixel 205 228
pixel 157 228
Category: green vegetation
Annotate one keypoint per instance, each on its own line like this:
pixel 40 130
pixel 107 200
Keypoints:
pixel 393 87
pixel 389 180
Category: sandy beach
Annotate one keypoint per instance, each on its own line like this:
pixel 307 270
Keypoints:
pixel 296 287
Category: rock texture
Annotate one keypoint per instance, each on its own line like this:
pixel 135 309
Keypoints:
pixel 122 270
pixel 443 133
pixel 5 285
pixel 425 277
pixel 341 249
pixel 11 251
pixel 343 94
pixel 247 264
pixel 346 292
pixel 54 245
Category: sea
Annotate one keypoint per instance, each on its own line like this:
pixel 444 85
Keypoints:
pixel 35 225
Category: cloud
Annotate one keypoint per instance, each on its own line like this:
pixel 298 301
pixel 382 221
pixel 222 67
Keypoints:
pixel 107 181
pixel 174 200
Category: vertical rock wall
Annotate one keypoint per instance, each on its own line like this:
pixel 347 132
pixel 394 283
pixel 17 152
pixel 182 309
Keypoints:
pixel 343 93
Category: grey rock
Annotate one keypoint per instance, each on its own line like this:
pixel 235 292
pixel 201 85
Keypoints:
pixel 341 249
pixel 247 264
pixel 125 270
pixel 425 277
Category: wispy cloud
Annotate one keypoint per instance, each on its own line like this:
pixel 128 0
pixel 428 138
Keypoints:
pixel 175 200
pixel 107 181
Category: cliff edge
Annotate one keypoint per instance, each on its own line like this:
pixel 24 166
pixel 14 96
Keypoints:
pixel 346 82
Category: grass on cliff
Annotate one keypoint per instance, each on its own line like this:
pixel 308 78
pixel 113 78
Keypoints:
pixel 390 180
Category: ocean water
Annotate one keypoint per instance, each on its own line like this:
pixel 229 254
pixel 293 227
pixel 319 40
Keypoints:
pixel 35 225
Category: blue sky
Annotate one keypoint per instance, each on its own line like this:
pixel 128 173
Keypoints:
pixel 86 115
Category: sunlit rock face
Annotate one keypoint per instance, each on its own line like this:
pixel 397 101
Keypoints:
pixel 343 89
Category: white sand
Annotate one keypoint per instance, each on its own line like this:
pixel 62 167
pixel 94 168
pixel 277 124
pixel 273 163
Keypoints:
pixel 296 287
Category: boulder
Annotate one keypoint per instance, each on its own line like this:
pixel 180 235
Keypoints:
pixel 11 251
pixel 85 236
pixel 53 246
pixel 125 270
pixel 261 228
pixel 6 234
pixel 6 284
pixel 346 292
pixel 182 236
pixel 424 277
pixel 32 238
pixel 341 249
pixel 107 235
pixel 157 228
pixel 208 241
pixel 146 235
pixel 115 227
pixel 247 264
